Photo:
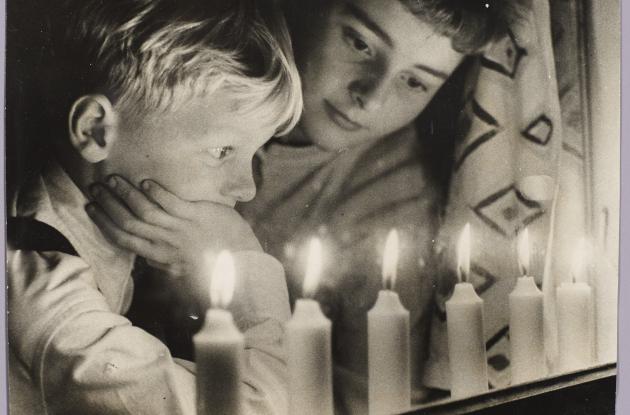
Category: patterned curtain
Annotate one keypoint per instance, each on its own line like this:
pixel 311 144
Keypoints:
pixel 521 144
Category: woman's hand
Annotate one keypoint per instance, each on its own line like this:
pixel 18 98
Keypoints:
pixel 172 234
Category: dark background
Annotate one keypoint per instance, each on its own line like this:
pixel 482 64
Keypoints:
pixel 27 44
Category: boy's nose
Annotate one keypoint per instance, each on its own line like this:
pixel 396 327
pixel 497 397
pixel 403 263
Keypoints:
pixel 244 192
pixel 368 94
pixel 242 187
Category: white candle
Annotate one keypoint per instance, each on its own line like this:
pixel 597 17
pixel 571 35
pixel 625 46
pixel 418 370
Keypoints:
pixel 575 319
pixel 464 323
pixel 606 293
pixel 389 377
pixel 219 347
pixel 574 337
pixel 308 346
pixel 604 280
pixel 526 322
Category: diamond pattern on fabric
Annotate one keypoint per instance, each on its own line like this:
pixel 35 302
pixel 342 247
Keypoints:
pixel 504 56
pixel 483 117
pixel 539 131
pixel 507 210
pixel 499 362
pixel 481 278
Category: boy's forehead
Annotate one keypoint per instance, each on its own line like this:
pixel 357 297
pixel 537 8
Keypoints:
pixel 204 114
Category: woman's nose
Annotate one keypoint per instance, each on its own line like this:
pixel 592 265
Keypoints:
pixel 369 93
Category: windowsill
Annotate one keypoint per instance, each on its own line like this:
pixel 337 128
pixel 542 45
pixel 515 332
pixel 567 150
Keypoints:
pixel 593 386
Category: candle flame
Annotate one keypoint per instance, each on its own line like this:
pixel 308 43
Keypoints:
pixel 523 252
pixel 390 260
pixel 223 280
pixel 463 254
pixel 313 268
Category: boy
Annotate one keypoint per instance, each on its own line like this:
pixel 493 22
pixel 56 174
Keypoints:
pixel 183 93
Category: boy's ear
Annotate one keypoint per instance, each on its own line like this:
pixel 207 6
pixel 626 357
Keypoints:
pixel 93 127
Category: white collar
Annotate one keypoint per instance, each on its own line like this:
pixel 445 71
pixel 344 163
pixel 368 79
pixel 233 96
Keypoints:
pixel 53 198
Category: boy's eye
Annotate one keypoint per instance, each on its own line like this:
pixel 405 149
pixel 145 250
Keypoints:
pixel 220 153
pixel 355 41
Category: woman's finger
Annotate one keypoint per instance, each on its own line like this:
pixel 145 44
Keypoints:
pixel 141 206
pixel 126 240
pixel 167 200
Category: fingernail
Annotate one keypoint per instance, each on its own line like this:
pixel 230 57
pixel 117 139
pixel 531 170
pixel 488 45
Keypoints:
pixel 112 181
pixel 146 185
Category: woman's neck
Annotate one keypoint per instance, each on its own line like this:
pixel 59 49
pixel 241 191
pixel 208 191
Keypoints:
pixel 296 138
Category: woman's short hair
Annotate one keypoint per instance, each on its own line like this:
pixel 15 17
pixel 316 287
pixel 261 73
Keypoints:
pixel 471 24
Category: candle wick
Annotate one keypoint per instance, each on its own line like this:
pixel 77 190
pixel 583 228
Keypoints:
pixel 462 275
pixel 388 284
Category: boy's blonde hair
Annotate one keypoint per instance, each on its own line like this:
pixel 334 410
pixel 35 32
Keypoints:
pixel 154 54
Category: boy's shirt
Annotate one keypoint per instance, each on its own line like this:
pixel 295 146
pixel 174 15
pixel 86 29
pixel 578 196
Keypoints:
pixel 351 200
pixel 71 349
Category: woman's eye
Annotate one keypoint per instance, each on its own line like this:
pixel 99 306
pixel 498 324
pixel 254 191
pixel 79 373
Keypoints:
pixel 360 45
pixel 220 153
pixel 355 42
pixel 415 83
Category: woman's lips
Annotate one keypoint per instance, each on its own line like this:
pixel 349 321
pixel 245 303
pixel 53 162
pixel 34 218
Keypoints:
pixel 340 118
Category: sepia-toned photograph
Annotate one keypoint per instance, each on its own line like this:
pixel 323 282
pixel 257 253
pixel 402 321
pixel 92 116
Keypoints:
pixel 312 207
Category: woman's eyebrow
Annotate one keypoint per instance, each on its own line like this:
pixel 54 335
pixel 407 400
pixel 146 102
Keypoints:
pixel 431 71
pixel 360 14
